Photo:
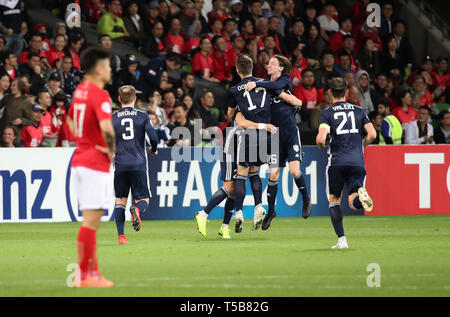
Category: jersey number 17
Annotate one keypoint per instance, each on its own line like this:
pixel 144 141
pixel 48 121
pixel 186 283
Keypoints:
pixel 249 99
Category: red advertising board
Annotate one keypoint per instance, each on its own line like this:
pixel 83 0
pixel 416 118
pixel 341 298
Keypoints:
pixel 408 179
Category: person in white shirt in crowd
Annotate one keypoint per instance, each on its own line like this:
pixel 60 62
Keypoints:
pixel 420 131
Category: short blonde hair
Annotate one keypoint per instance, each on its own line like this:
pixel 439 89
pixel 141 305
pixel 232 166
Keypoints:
pixel 127 94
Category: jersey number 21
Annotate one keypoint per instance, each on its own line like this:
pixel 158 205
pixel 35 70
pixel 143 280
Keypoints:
pixel 345 116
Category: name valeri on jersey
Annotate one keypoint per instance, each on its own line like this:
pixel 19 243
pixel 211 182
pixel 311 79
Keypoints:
pixel 344 107
pixel 127 113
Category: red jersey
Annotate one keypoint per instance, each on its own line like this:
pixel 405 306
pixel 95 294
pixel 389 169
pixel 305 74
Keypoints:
pixel 443 80
pixel 231 57
pixel 222 70
pixel 203 64
pixel 65 136
pixel 175 43
pixel 53 55
pixel 32 136
pixel 309 97
pixel 405 117
pixel 47 123
pixel 24 55
pixel 89 107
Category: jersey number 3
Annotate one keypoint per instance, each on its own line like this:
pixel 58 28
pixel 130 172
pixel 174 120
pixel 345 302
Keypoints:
pixel 129 128
pixel 345 116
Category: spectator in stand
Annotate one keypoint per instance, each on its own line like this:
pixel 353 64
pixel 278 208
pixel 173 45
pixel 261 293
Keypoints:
pixel 70 78
pixel 315 45
pixel 33 135
pixel 315 115
pixel 310 16
pixel 203 63
pixel 198 5
pixel 73 48
pixel 105 42
pixel 344 64
pixel 222 71
pixel 9 61
pixel 17 108
pixel 337 39
pixel 238 44
pixel 274 25
pixel 376 119
pixel 50 135
pixel 154 105
pixel 270 45
pixel 169 101
pixel 404 112
pixel 134 24
pixel 129 75
pixel 391 131
pixel 2 42
pixel 192 112
pixel 187 17
pixel 350 78
pixel 260 67
pixel 95 9
pixel 187 136
pixel 153 10
pixel 247 29
pixel 295 38
pixel 9 137
pixel 326 70
pixel 392 61
pixel 11 18
pixel 262 30
pixel 32 70
pixel 59 108
pixel 57 51
pixel 205 110
pixel 34 44
pixel 235 10
pixel 420 131
pixel 110 23
pixel 187 84
pixel 5 82
pixel 419 90
pixel 442 132
pixel 219 11
pixel 164 15
pixel 278 11
pixel 41 29
pixel 378 93
pixel 255 12
pixel 328 25
pixel 442 75
pixel 403 45
pixel 54 84
pixel 216 28
pixel 393 91
pixel 370 58
pixel 359 15
pixel 354 96
pixel 174 40
pixel 155 43
pixel 229 28
pixel 387 24
pixel 362 84
pixel 162 132
pixel 299 64
pixel 308 94
pixel 348 45
pixel 426 70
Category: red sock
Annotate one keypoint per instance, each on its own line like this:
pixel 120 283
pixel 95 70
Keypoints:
pixel 94 264
pixel 86 247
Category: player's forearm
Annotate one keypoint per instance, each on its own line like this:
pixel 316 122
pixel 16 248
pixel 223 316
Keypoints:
pixel 110 140
pixel 153 139
pixel 291 99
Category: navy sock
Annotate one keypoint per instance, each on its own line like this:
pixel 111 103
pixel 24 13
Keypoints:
pixel 272 190
pixel 336 219
pixel 229 208
pixel 216 199
pixel 301 185
pixel 256 184
pixel 119 212
pixel 357 203
pixel 239 191
pixel 142 206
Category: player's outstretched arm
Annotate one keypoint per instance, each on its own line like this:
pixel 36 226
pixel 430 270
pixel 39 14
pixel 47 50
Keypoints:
pixel 247 124
pixel 322 135
pixel 371 133
pixel 268 84
pixel 291 99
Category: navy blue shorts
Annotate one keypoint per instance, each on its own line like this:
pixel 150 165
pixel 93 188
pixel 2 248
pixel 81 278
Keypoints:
pixel 253 148
pixel 290 147
pixel 338 176
pixel 137 181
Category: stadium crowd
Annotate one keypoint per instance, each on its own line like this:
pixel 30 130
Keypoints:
pixel 40 66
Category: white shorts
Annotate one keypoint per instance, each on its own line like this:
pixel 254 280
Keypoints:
pixel 94 188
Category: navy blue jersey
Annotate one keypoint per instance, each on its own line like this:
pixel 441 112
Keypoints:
pixel 346 127
pixel 282 113
pixel 131 127
pixel 254 105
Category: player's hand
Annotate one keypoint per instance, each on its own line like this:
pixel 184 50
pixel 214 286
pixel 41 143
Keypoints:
pixel 106 151
pixel 271 128
pixel 153 153
pixel 18 121
pixel 250 85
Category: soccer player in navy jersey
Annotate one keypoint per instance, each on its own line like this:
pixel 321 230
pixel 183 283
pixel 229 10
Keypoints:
pixel 132 128
pixel 346 123
pixel 283 117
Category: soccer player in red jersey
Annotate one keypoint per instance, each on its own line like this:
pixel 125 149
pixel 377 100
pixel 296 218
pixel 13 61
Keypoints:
pixel 89 118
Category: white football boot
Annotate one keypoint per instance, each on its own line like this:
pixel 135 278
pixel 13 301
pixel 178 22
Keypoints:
pixel 239 221
pixel 365 199
pixel 342 243
pixel 258 216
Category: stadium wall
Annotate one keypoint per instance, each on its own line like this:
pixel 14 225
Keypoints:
pixel 36 184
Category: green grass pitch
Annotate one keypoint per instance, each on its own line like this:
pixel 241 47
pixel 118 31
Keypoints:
pixel 293 258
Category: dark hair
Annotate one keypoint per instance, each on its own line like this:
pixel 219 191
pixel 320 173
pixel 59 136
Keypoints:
pixel 36 34
pixel 5 55
pixel 214 39
pixel 418 76
pixel 229 20
pixel 338 86
pixel 21 85
pixel 399 21
pixel 440 59
pixel 306 70
pixel 244 64
pixel 344 18
pixel 180 104
pixel 33 54
pixel 442 114
pixel 402 95
pixel 165 92
pixel 91 56
pixel 105 35
pixel 285 63
pixel 10 127
pixel 75 38
pixel 373 115
pixel 184 75
pixel 426 108
pixel 326 51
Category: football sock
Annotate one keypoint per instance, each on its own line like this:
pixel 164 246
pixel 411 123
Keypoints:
pixel 119 211
pixel 94 264
pixel 142 206
pixel 272 190
pixel 336 219
pixel 216 199
pixel 256 184
pixel 301 185
pixel 228 212
pixel 357 203
pixel 86 244
pixel 239 189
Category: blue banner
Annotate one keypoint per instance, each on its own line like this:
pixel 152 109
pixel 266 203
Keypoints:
pixel 181 188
